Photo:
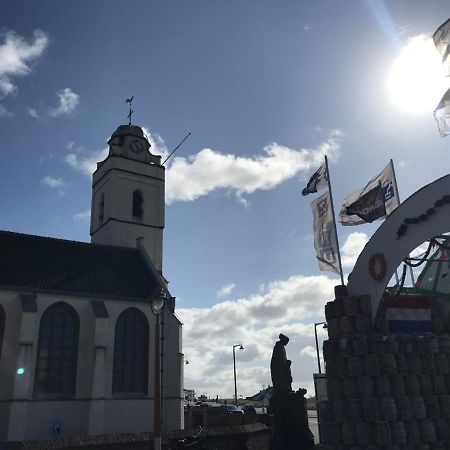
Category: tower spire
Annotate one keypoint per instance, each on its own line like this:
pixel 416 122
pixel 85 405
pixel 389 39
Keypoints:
pixel 129 100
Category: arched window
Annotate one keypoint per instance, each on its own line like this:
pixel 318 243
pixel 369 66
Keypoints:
pixel 138 201
pixel 57 353
pixel 130 373
pixel 2 328
pixel 101 210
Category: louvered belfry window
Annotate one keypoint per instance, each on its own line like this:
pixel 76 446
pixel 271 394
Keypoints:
pixel 138 201
pixel 57 353
pixel 130 372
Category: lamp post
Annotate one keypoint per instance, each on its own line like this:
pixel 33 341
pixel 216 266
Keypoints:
pixel 317 342
pixel 234 367
pixel 158 299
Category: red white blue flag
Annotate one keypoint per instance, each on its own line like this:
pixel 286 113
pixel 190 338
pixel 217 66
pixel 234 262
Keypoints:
pixel 409 314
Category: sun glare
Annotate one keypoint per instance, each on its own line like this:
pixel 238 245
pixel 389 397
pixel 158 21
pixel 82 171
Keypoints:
pixel 416 80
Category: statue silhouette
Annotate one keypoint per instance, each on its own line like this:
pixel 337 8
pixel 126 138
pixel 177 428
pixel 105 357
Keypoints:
pixel 280 367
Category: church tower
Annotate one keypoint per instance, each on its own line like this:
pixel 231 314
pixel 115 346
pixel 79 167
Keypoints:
pixel 128 195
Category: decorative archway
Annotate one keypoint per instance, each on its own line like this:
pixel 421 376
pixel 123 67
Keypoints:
pixel 425 214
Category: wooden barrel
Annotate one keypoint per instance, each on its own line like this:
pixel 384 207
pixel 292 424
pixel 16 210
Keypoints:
pixel 348 434
pixel 418 407
pixel 363 323
pixel 330 432
pixel 334 328
pixel 397 386
pixel 427 431
pixel 370 408
pixel 381 433
pixel 339 307
pixel 330 349
pixel 398 433
pixel 340 410
pixel 341 368
pixel 330 312
pixel 349 387
pixel 441 363
pixel 354 409
pixel 331 367
pixel 444 343
pixel 414 363
pixel 402 366
pixel 432 343
pixel 325 410
pixel 428 366
pixel 388 364
pixel 347 326
pixel 442 431
pixel 421 344
pixel 405 344
pixel 345 347
pixel 404 408
pixel 360 347
pixel 363 433
pixel 376 344
pixel 391 344
pixel 444 404
pixel 439 384
pixel 412 432
pixel 412 385
pixel 382 386
pixel 426 386
pixel 351 307
pixel 334 388
pixel 372 364
pixel 388 408
pixel 431 406
pixel 365 304
pixel 355 366
pixel 365 386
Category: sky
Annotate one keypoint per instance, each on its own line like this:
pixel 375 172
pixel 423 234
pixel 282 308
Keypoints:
pixel 267 89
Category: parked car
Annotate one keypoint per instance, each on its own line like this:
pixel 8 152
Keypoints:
pixel 248 409
pixel 231 409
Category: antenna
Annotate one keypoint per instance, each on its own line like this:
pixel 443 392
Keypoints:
pixel 129 100
pixel 176 148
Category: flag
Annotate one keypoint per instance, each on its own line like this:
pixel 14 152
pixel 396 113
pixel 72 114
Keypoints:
pixel 409 314
pixel 442 115
pixel 441 38
pixel 391 200
pixel 317 182
pixel 324 236
pixel 370 206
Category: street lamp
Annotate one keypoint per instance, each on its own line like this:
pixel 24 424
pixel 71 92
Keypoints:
pixel 317 343
pixel 157 300
pixel 234 367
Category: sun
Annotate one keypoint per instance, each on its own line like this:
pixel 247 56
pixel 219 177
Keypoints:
pixel 416 81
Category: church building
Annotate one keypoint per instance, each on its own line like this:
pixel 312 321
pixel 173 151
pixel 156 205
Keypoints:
pixel 77 332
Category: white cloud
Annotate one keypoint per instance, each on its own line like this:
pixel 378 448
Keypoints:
pixel 53 182
pixel 4 112
pixel 190 178
pixel 68 101
pixel 83 216
pixel 352 247
pixel 225 290
pixel 33 113
pixel 285 306
pixel 15 57
pixel 86 164
pixel 309 351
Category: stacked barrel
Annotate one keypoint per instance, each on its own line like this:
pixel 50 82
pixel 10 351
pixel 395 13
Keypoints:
pixel 384 391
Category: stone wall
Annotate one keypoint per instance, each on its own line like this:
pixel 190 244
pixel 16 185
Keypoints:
pixel 384 391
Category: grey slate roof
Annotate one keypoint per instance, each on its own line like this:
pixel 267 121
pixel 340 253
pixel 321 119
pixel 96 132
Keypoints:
pixel 45 264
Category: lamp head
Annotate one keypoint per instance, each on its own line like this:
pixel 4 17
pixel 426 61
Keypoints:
pixel 157 299
pixel 241 347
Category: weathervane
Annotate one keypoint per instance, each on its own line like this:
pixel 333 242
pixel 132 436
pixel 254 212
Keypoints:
pixel 129 100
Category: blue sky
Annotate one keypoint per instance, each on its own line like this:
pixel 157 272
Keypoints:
pixel 266 88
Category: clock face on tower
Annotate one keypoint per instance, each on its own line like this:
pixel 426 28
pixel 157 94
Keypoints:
pixel 136 145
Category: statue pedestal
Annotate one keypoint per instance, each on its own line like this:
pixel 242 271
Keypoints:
pixel 290 421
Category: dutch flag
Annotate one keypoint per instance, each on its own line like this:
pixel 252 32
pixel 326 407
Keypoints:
pixel 409 314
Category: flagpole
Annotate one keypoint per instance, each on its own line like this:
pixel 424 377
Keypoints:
pixel 398 197
pixel 334 221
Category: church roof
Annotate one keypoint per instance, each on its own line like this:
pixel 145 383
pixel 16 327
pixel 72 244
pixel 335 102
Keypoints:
pixel 76 268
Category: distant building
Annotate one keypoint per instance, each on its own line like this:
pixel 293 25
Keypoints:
pixel 189 395
pixel 263 395
pixel 76 328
